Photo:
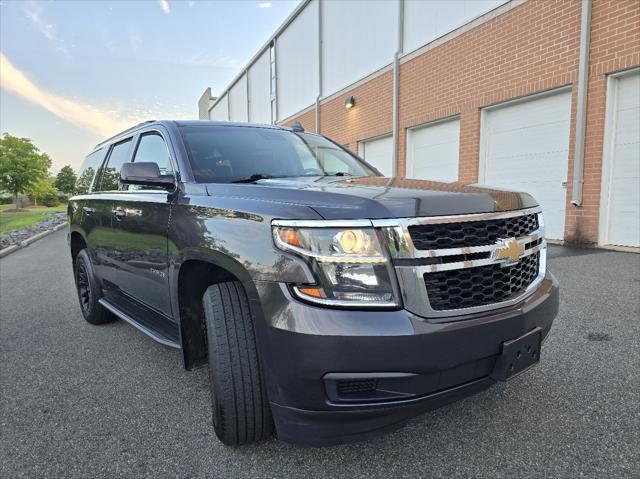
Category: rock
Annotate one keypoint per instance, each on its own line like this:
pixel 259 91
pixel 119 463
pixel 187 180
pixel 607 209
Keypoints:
pixel 18 236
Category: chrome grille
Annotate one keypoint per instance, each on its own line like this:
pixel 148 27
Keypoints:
pixel 457 265
pixel 471 233
pixel 471 287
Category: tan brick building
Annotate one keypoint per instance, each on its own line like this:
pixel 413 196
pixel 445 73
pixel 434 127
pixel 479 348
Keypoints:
pixel 470 91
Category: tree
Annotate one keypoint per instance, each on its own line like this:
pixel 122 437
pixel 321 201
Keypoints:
pixel 66 180
pixel 43 191
pixel 21 164
pixel 84 181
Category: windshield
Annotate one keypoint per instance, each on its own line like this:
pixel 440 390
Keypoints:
pixel 224 154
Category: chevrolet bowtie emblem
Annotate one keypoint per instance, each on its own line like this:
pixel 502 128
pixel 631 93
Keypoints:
pixel 510 251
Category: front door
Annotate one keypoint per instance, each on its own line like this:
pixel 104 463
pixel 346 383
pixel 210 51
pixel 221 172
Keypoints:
pixel 140 221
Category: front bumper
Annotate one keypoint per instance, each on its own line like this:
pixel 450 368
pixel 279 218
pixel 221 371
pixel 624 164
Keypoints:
pixel 418 365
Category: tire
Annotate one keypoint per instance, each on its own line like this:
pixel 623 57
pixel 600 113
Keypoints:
pixel 89 291
pixel 241 412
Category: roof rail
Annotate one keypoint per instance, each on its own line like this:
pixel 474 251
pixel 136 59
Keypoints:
pixel 123 132
pixel 297 126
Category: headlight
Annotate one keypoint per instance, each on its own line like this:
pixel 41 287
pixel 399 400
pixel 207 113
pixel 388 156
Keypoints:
pixel 349 264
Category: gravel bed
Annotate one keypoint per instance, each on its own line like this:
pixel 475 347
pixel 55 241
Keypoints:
pixel 18 236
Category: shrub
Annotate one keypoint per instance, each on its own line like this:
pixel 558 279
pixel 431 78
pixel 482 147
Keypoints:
pixel 49 199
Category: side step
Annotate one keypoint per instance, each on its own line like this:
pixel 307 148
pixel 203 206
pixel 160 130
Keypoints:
pixel 149 332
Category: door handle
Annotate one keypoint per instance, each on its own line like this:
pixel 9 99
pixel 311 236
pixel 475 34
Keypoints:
pixel 88 210
pixel 119 213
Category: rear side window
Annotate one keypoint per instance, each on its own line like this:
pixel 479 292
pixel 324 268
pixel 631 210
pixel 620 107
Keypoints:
pixel 120 154
pixel 88 171
pixel 152 148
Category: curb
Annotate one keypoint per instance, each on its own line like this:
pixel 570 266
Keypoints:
pixel 10 249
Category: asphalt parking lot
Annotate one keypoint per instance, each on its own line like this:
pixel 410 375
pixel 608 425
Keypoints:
pixel 85 401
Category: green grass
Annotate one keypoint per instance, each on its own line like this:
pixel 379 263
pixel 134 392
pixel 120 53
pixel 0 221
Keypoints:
pixel 13 220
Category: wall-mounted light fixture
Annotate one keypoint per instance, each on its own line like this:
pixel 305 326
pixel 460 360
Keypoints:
pixel 349 102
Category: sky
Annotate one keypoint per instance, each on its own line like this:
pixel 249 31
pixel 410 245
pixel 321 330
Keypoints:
pixel 75 72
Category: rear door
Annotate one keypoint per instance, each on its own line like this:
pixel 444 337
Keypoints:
pixel 138 246
pixel 99 211
pixel 91 210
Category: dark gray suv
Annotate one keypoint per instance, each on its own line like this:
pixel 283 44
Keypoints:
pixel 330 303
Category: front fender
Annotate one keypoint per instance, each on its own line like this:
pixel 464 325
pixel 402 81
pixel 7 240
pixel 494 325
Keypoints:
pixel 237 241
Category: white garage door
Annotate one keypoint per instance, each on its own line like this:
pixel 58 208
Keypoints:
pixel 378 152
pixel 432 151
pixel 621 168
pixel 525 147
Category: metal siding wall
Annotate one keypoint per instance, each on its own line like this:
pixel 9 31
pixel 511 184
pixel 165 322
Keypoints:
pixel 260 90
pixel 424 21
pixel 358 38
pixel 220 112
pixel 297 60
pixel 238 100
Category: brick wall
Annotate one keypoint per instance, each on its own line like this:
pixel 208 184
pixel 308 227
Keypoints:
pixel 370 117
pixel 615 46
pixel 531 48
pixel 307 120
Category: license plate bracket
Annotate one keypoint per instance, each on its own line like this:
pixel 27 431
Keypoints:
pixel 518 355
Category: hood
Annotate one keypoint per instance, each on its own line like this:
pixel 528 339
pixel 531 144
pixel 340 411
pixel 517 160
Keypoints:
pixel 376 197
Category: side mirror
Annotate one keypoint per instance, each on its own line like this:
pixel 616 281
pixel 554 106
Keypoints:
pixel 145 174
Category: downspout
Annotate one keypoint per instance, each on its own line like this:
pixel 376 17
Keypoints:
pixel 276 93
pixel 581 107
pixel 246 76
pixel 319 66
pixel 396 89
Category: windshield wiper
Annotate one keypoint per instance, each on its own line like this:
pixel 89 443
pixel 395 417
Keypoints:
pixel 253 178
pixel 338 173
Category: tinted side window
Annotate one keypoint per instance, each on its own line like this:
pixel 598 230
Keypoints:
pixel 120 154
pixel 88 171
pixel 152 148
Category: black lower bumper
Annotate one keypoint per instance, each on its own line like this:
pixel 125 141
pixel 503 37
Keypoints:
pixel 338 376
pixel 326 428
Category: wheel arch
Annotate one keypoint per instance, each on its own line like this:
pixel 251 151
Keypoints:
pixel 192 275
pixel 77 242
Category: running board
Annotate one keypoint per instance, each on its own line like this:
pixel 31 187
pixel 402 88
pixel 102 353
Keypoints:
pixel 152 334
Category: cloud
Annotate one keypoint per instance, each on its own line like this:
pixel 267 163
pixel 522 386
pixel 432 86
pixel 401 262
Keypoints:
pixel 33 12
pixel 265 5
pixel 75 112
pixel 164 6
